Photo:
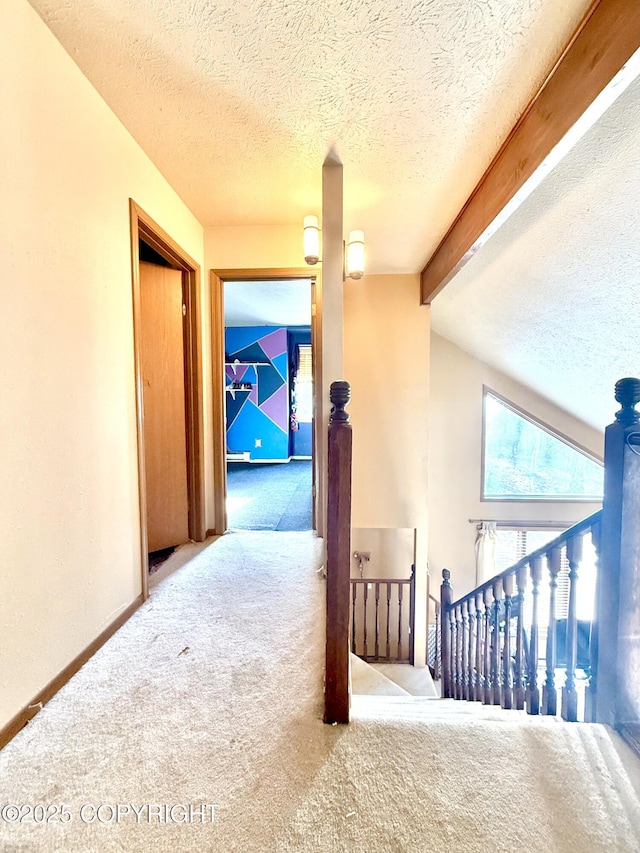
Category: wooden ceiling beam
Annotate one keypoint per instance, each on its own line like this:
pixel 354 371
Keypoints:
pixel 605 40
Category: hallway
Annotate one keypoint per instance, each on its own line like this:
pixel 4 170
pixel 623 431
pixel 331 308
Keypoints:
pixel 212 694
pixel 187 703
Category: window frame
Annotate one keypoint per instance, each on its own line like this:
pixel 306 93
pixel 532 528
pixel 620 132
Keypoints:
pixel 308 381
pixel 554 433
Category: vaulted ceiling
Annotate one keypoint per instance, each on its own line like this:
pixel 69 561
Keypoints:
pixel 553 298
pixel 239 101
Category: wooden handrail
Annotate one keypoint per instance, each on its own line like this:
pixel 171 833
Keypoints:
pixel 337 699
pixel 580 527
pixel 405 581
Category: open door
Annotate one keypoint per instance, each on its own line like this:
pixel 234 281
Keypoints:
pixel 168 375
pixel 217 280
pixel 163 392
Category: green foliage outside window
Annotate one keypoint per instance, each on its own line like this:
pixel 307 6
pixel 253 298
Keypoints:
pixel 524 460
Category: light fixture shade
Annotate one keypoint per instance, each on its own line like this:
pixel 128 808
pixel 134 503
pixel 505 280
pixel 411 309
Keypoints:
pixel 311 240
pixel 355 255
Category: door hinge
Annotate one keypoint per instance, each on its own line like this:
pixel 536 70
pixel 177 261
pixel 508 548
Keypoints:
pixel 184 310
pixel 313 309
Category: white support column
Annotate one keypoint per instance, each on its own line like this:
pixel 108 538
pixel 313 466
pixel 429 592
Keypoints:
pixel 332 308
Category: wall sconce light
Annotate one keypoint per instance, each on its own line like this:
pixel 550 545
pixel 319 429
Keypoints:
pixel 353 260
pixel 311 240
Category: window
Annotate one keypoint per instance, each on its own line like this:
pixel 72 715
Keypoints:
pixel 303 385
pixel 514 543
pixel 525 460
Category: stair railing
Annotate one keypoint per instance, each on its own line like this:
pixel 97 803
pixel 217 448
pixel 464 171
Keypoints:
pixel 492 638
pixel 383 618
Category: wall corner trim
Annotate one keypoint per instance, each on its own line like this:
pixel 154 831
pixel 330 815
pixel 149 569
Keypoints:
pixel 24 716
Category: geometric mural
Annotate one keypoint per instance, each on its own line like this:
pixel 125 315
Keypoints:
pixel 260 410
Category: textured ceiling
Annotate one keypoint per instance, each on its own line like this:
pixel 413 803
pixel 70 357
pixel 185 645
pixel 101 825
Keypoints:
pixel 238 102
pixel 553 298
pixel 267 303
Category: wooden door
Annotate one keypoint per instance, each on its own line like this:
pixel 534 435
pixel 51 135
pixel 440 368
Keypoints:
pixel 163 384
pixel 316 368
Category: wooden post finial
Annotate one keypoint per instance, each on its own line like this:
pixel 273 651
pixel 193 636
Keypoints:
pixel 627 393
pixel 340 396
pixel 446 577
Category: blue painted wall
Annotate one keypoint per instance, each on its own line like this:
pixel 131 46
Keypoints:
pixel 260 411
pixel 301 441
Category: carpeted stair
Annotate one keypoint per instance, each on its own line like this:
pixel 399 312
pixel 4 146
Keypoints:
pixel 415 680
pixel 367 680
pixel 390 679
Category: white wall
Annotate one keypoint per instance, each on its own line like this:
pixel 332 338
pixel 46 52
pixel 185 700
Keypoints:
pixel 386 360
pixel 455 453
pixel 69 496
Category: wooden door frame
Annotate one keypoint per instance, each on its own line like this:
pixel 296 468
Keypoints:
pixel 217 280
pixel 143 227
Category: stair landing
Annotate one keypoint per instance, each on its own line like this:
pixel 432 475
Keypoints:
pixel 416 681
pixel 390 679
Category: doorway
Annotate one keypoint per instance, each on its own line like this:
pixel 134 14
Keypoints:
pixel 264 362
pixel 168 370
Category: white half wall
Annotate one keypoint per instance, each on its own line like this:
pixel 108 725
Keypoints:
pixel 386 360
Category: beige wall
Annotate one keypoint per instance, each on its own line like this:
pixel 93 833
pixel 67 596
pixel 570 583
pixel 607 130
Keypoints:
pixel 455 429
pixel 69 497
pixel 386 360
pixel 392 551
pixel 253 246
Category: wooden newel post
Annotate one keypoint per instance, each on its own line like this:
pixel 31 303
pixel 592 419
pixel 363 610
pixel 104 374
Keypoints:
pixel 336 707
pixel 412 616
pixel 615 642
pixel 446 597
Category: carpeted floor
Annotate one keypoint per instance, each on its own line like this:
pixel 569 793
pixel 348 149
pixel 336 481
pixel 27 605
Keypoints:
pixel 212 693
pixel 269 496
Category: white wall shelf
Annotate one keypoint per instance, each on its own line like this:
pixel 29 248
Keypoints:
pixel 235 365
